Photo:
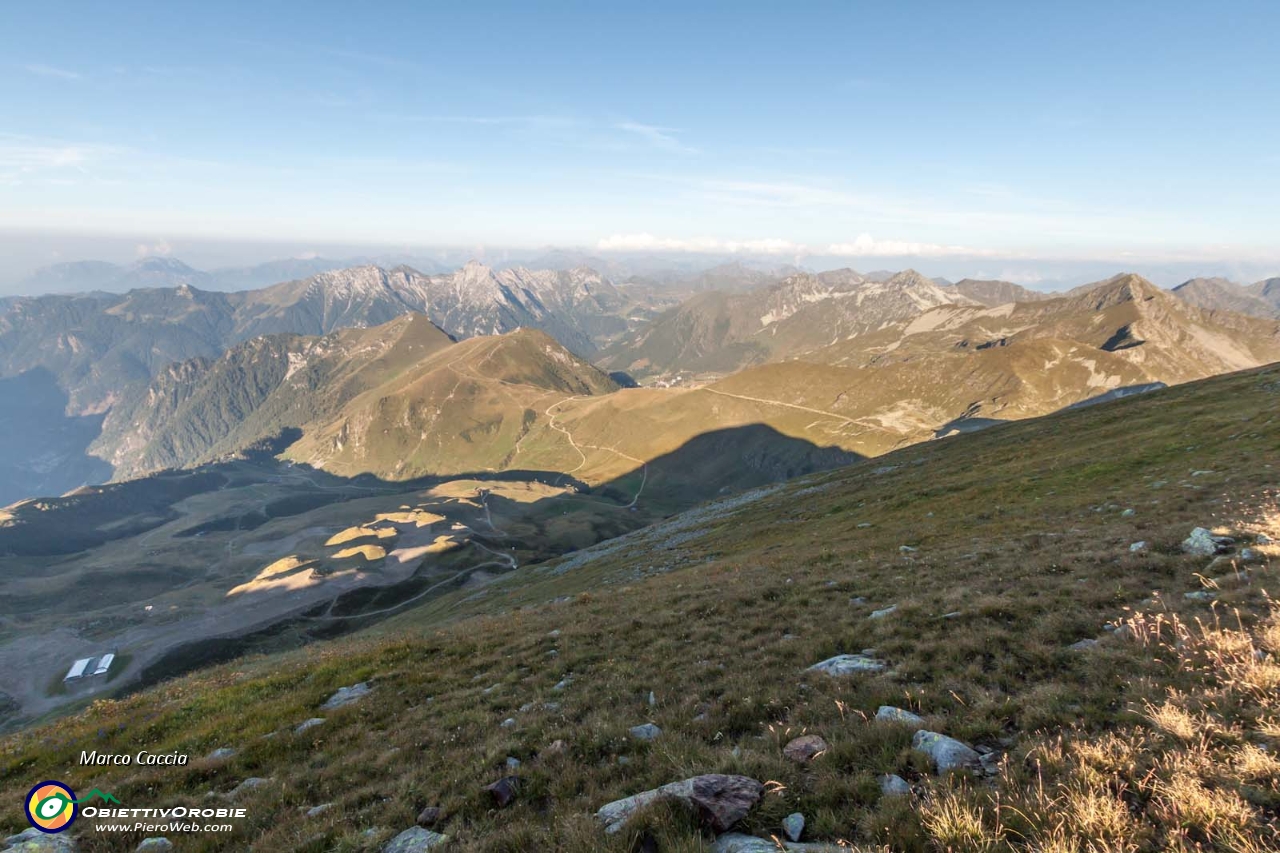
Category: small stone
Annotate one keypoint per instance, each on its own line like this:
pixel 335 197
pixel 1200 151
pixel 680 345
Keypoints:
pixel 990 762
pixel 890 714
pixel 653 700
pixel 309 724
pixel 907 549
pixel 554 633
pixel 720 800
pixel 513 763
pixel 1263 539
pixel 551 707
pixel 316 811
pixel 429 816
pixel 221 754
pixel 415 839
pixel 347 695
pixel 1138 546
pixel 646 731
pixel 893 785
pixel 793 826
pixel 849 665
pixel 880 614
pixel 1250 555
pixel 159 844
pixel 1200 595
pixel 863 524
pixel 805 748
pixel 508 722
pixel 562 684
pixel 1083 645
pixel 504 790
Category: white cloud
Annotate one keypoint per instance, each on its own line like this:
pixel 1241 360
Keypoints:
pixel 650 243
pixel 50 71
pixel 864 245
pixel 160 248
pixel 659 137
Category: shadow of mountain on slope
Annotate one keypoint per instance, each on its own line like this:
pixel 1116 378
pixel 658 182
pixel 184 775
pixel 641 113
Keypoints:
pixel 727 460
pixel 44 448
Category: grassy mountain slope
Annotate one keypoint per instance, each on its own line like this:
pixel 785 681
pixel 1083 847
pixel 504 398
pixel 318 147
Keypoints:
pixel 1018 545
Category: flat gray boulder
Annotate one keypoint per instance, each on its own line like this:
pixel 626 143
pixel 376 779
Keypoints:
pixel 414 840
pixel 720 801
pixel 32 840
pixel 849 665
pixel 736 842
pixel 308 724
pixel 890 714
pixel 947 752
pixel 347 695
pixel 647 731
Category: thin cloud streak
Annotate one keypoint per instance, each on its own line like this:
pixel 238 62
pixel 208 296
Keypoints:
pixel 50 71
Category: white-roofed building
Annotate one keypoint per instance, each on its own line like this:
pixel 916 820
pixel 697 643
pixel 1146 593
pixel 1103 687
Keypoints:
pixel 78 669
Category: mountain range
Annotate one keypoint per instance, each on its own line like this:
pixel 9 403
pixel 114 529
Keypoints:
pixel 126 384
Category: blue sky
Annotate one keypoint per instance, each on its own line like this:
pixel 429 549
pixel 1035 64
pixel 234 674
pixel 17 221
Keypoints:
pixel 1009 131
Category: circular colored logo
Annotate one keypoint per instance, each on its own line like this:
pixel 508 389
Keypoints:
pixel 51 806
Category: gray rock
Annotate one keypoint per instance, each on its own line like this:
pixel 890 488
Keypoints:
pixel 880 614
pixel 414 840
pixel 849 665
pixel 504 790
pixel 513 763
pixel 907 549
pixel 562 684
pixel 250 784
pixel 893 785
pixel 316 811
pixel 647 731
pixel 347 695
pixel 1200 595
pixel 33 840
pixel 508 722
pixel 720 800
pixel 804 748
pixel 221 754
pixel 1250 555
pixel 429 816
pixel 890 714
pixel 990 762
pixel 1138 546
pixel 1083 645
pixel 159 844
pixel 653 700
pixel 1203 543
pixel 309 724
pixel 947 753
pixel 1128 513
pixel 736 842
pixel 1263 539
pixel 793 826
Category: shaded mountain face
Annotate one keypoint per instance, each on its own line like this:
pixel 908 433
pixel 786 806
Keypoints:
pixel 1219 294
pixel 719 332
